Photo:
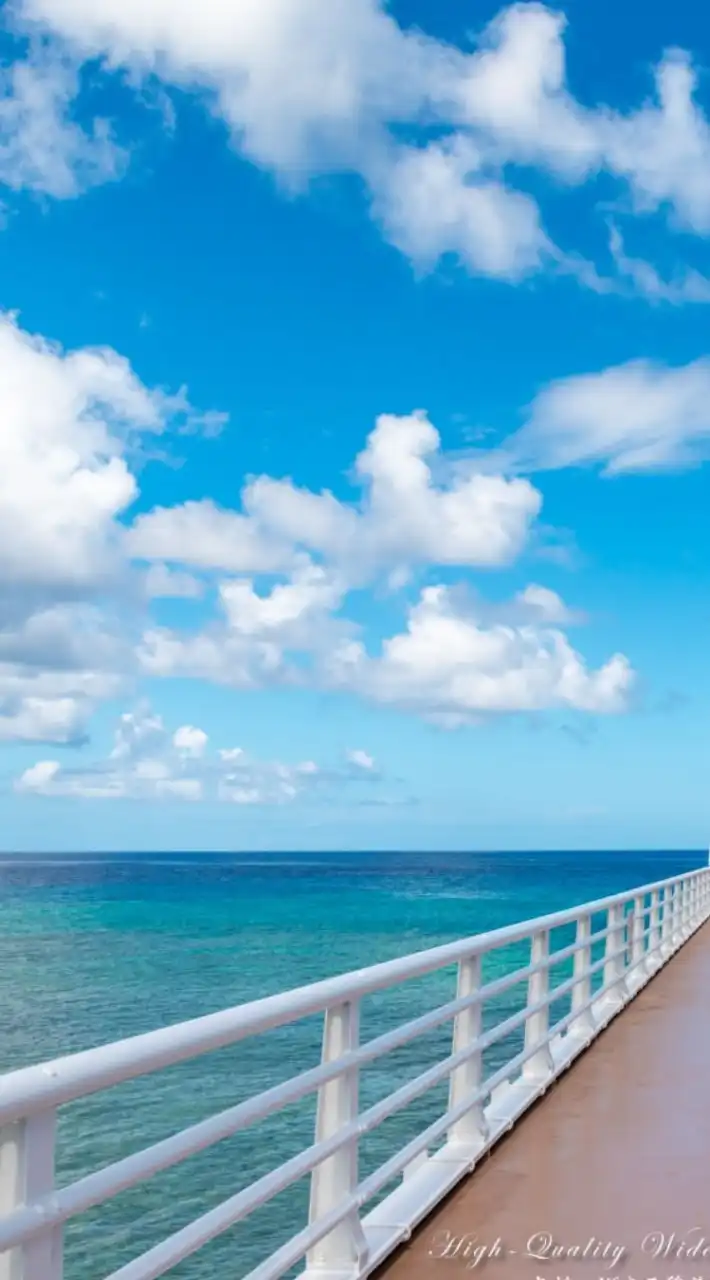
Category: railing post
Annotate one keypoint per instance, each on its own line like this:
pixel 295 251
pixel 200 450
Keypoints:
pixel 614 953
pixel 583 1024
pixel 684 908
pixel 537 1026
pixel 471 1127
pixel 654 936
pixel 676 915
pixel 637 939
pixel 667 926
pixel 336 1177
pixel 26 1175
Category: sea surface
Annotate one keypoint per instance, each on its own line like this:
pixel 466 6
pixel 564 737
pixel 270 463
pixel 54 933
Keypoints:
pixel 93 949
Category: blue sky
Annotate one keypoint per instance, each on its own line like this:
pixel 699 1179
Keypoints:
pixel 355 390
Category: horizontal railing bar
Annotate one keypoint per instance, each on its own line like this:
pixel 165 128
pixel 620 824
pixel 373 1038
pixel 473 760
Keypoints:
pixel 54 1083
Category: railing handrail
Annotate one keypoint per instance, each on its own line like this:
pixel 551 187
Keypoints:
pixel 26 1091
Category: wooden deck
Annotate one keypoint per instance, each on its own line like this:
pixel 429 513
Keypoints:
pixel 613 1161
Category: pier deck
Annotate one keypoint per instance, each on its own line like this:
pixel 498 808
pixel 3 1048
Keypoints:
pixel 616 1155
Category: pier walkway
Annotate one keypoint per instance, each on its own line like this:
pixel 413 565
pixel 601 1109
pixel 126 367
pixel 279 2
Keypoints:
pixel 613 1165
pixel 549 1082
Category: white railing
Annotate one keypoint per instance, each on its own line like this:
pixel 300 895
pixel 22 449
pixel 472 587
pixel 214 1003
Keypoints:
pixel 638 933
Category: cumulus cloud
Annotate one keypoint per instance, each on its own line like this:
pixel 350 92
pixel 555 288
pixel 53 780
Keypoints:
pixel 640 416
pixel 162 581
pixel 72 422
pixel 69 421
pixel 55 666
pixel 544 605
pixel 453 662
pixel 189 741
pixel 405 518
pixel 457 659
pixel 256 635
pixel 360 759
pixel 449 667
pixel 147 762
pixel 308 86
pixel 205 536
pixel 71 425
pixel 29 717
pixel 663 149
pixel 438 200
pixel 513 90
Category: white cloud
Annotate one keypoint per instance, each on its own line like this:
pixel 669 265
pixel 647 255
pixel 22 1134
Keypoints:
pixel 42 148
pixel 448 666
pixel 255 635
pixel 663 149
pixel 212 654
pixel 203 535
pixel 71 423
pixel 404 519
pixel 293 78
pixel 546 606
pixel 361 759
pixel 687 286
pixel 69 420
pixel 311 593
pixel 640 416
pixel 148 763
pixel 55 666
pixel 307 86
pixel 513 91
pixel 436 200
pixel 190 741
pixel 39 777
pixel 162 581
pixel 29 718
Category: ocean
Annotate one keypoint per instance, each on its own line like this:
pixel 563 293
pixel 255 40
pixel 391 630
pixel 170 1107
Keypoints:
pixel 93 949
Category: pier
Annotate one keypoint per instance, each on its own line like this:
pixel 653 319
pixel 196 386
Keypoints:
pixel 573 1141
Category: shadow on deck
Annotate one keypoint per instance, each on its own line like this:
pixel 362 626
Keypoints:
pixel 614 1160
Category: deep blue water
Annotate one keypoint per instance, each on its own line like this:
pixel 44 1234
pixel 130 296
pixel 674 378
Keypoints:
pixel 94 949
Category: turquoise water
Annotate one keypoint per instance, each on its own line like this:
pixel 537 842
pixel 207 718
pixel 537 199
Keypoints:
pixel 92 950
